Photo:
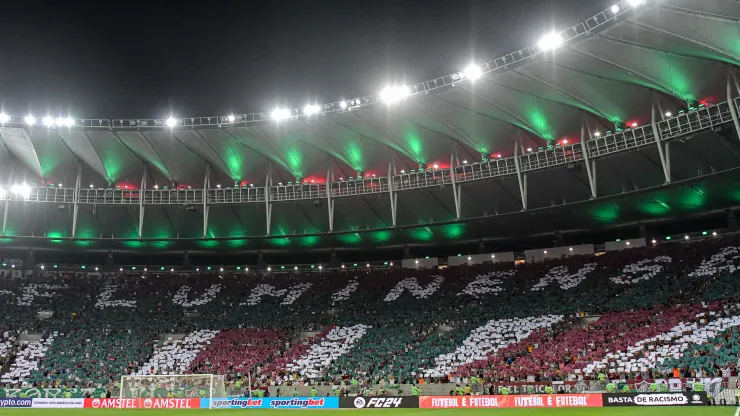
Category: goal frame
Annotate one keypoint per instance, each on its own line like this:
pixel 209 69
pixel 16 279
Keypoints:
pixel 209 376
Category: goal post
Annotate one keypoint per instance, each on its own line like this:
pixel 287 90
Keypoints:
pixel 173 385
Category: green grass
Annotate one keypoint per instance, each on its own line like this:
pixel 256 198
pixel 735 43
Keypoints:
pixel 614 411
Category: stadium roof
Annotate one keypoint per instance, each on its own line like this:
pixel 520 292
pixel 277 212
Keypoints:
pixel 613 75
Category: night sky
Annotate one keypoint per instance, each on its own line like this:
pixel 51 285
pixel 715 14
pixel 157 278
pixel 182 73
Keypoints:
pixel 202 58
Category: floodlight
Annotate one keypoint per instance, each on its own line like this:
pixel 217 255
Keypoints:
pixel 368 265
pixel 280 114
pixel 686 237
pixel 269 269
pixel 416 261
pixel 343 104
pixel 550 41
pixel 393 94
pixel 59 121
pixel 597 134
pixel 320 267
pixel 635 3
pixel 469 258
pixel 473 72
pixel 231 118
pixel 69 122
pixel 654 241
pixel 634 124
pixel 465 162
pixel 668 114
pixel 2 192
pixel 714 233
pixel 4 118
pixel 615 9
pixel 171 122
pixel 21 189
pixel 30 120
pixel 403 171
pixel 529 149
pixel 311 109
pixel 48 121
pixel 565 141
pixel 343 266
pixel 436 166
pixel 295 267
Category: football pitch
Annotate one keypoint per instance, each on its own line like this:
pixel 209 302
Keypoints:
pixel 614 411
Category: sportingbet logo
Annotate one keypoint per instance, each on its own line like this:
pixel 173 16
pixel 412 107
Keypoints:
pixel 243 403
pixel 273 403
pixel 361 403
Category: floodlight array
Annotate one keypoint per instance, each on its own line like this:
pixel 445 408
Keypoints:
pixel 389 95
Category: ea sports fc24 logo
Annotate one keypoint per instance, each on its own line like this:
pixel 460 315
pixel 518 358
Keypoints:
pixel 377 402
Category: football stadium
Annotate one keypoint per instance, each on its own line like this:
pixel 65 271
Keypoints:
pixel 549 232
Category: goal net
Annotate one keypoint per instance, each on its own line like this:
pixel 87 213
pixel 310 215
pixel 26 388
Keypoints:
pixel 178 386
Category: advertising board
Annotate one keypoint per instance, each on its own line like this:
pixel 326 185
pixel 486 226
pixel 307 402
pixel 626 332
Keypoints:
pixel 148 403
pixel 15 402
pixel 272 403
pixel 57 403
pixel 405 402
pixel 512 401
pixel 698 398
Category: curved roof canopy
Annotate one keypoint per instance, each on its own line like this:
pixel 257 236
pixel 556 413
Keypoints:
pixel 616 70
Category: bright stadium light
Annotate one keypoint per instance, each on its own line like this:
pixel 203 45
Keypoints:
pixel 615 9
pixel 2 192
pixel 4 118
pixel 473 72
pixel 311 109
pixel 634 124
pixel 21 189
pixel 231 118
pixel 393 94
pixel 280 114
pixel 550 41
pixel 635 3
pixel 59 121
pixel 597 134
pixel 342 105
pixel 48 121
pixel 171 122
pixel 30 120
pixel 668 114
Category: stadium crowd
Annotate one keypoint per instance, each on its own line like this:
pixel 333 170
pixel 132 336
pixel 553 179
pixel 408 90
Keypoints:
pixel 651 312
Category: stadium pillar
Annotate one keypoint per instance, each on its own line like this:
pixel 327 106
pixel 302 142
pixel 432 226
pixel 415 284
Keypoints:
pixel 393 196
pixel 330 201
pixel 142 189
pixel 455 187
pixel 731 220
pixel 206 185
pixel 268 206
pixel 29 262
pixel 587 158
pixel 76 199
pixel 7 200
pixel 522 178
pixel 731 102
pixel 661 149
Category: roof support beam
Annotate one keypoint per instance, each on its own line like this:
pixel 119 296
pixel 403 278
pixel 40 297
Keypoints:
pixel 661 149
pixel 662 86
pixel 520 120
pixel 695 13
pixel 392 194
pixel 587 158
pixel 7 199
pixel 521 177
pixel 268 205
pixel 730 101
pixel 329 200
pixel 685 39
pixel 584 105
pixel 206 193
pixel 76 206
pixel 465 137
pixel 142 190
pixel 455 186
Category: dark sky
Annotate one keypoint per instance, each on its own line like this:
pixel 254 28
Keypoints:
pixel 200 58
